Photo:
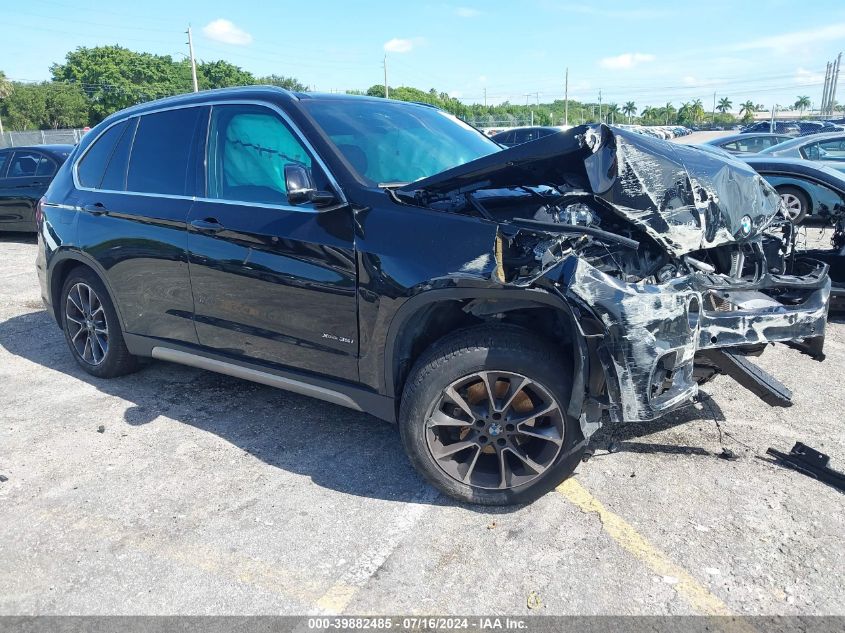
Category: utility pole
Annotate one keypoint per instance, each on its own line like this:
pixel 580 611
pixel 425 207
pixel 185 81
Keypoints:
pixel 772 124
pixel 566 99
pixel 599 105
pixel 835 77
pixel 193 61
pixel 386 89
pixel 485 97
pixel 825 90
pixel 714 109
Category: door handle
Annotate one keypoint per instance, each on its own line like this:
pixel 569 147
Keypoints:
pixel 208 225
pixel 97 208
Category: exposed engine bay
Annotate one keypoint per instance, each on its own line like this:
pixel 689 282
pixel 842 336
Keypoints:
pixel 677 262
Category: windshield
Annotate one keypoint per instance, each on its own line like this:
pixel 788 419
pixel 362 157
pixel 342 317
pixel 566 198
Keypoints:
pixel 396 142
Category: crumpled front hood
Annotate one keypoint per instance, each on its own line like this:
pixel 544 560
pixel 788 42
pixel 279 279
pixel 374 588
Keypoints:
pixel 684 198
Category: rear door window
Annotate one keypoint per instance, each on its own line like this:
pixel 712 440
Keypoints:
pixel 24 164
pixel 90 169
pixel 248 150
pixel 159 160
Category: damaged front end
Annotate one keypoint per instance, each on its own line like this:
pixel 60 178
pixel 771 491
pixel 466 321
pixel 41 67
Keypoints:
pixel 672 261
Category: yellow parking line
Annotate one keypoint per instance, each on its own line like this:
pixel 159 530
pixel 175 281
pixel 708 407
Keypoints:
pixel 696 594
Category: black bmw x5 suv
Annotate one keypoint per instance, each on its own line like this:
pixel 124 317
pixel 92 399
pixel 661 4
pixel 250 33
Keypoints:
pixel 499 305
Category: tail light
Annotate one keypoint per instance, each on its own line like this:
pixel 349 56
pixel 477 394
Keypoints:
pixel 39 213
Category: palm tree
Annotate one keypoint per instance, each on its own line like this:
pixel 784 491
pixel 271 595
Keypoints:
pixel 669 111
pixel 725 104
pixel 629 109
pixel 612 112
pixel 802 104
pixel 747 110
pixel 697 110
pixel 646 114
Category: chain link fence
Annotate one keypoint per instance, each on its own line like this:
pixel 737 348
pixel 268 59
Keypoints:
pixel 40 137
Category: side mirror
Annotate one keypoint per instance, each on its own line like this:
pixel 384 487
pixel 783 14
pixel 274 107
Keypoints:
pixel 301 188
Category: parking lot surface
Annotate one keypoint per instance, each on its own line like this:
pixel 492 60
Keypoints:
pixel 177 491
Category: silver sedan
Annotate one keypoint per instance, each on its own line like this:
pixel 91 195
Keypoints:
pixel 827 149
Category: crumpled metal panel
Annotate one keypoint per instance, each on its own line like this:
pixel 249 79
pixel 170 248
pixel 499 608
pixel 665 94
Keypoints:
pixel 684 198
pixel 648 329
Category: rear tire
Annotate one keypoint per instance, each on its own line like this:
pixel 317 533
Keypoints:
pixel 796 202
pixel 516 445
pixel 92 329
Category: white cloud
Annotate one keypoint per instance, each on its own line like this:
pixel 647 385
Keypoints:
pixel 399 45
pixel 225 31
pixel 804 77
pixel 467 12
pixel 795 41
pixel 626 60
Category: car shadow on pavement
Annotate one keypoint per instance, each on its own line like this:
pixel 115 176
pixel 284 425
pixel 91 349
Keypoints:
pixel 20 238
pixel 612 438
pixel 335 447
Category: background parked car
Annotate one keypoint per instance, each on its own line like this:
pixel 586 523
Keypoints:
pixel 25 174
pixel 749 143
pixel 809 190
pixel 520 135
pixel 779 127
pixel 827 149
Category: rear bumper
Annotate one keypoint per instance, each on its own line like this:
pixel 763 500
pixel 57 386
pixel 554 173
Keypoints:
pixel 650 334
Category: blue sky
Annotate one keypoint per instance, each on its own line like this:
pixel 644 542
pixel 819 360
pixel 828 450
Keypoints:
pixel 648 52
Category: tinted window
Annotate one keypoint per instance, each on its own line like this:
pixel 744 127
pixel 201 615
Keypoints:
pixel 4 158
pixel 93 164
pixel 833 149
pixel 159 159
pixel 28 164
pixel 520 136
pixel 114 178
pixel 248 149
pixel 47 167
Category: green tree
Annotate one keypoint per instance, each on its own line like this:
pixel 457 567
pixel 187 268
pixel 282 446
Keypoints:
pixel 5 90
pixel 630 109
pixel 697 110
pixel 288 83
pixel 669 112
pixel 222 74
pixel 725 104
pixel 67 106
pixel 747 110
pixel 26 107
pixel 802 104
pixel 114 77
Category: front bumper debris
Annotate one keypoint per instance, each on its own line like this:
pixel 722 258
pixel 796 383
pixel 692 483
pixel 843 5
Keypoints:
pixel 652 335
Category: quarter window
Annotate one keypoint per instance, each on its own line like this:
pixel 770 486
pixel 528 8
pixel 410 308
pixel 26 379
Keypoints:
pixel 93 164
pixel 248 150
pixel 114 178
pixel 159 161
pixel 4 158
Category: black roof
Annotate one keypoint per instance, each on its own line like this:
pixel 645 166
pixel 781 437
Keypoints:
pixel 264 93
pixel 55 149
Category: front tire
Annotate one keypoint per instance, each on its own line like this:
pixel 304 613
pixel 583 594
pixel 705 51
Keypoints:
pixel 483 416
pixel 91 327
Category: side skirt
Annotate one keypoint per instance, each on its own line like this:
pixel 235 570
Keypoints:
pixel 336 392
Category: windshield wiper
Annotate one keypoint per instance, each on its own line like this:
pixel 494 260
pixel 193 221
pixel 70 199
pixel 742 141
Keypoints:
pixel 392 185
